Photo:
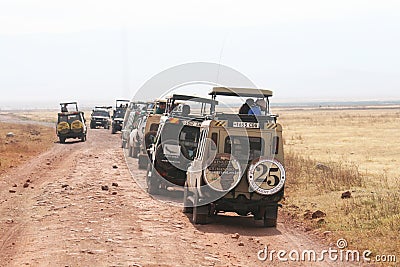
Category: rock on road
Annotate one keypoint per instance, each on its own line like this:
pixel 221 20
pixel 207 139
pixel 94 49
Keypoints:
pixel 62 217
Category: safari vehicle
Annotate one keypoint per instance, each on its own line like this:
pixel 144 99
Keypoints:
pixel 176 141
pixel 155 112
pixel 118 115
pixel 100 117
pixel 71 124
pixel 238 166
pixel 134 111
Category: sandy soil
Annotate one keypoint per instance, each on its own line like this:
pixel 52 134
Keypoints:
pixel 62 217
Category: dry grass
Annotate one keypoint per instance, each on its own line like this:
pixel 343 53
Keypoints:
pixel 45 115
pixel 329 152
pixel 27 142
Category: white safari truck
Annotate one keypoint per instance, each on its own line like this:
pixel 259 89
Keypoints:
pixel 238 166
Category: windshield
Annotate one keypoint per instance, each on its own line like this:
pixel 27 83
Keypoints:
pixel 100 113
pixel 69 118
pixel 119 113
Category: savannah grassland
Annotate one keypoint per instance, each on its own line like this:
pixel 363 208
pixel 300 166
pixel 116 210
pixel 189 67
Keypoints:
pixel 359 151
pixel 27 141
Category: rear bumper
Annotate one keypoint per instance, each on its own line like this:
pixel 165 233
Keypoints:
pixel 99 122
pixel 243 206
pixel 71 135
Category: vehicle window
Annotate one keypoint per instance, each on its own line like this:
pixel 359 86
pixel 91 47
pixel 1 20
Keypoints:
pixel 62 119
pixel 100 113
pixel 72 118
pixel 154 127
pixel 244 148
pixel 119 113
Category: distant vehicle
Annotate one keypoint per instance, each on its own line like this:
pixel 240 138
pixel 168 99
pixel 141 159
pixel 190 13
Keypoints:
pixel 176 141
pixel 118 115
pixel 71 123
pixel 238 166
pixel 100 117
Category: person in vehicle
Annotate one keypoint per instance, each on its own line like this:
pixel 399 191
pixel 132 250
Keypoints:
pixel 245 108
pixel 64 108
pixel 262 104
pixel 254 109
pixel 185 110
pixel 161 108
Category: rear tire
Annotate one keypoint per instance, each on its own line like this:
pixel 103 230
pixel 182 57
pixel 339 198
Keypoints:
pixel 62 140
pixel 270 216
pixel 270 222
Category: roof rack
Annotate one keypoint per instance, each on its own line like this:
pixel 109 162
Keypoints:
pixel 243 92
pixel 193 98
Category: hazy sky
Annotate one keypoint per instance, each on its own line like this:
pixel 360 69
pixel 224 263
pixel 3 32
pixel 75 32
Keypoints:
pixel 96 51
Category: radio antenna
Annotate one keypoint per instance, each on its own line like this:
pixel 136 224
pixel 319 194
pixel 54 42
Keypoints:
pixel 220 57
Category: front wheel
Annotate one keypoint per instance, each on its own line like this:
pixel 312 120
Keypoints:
pixel 62 140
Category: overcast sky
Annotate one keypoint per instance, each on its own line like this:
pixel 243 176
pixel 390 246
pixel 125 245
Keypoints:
pixel 96 51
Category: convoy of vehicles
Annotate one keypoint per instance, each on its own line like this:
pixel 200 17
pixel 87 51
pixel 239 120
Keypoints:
pixel 224 161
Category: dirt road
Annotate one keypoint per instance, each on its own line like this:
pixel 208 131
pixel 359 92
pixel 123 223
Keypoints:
pixel 62 217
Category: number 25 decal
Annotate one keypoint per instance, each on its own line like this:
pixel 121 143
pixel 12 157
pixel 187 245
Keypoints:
pixel 267 172
pixel 270 179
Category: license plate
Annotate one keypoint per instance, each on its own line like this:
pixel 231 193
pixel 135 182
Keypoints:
pixel 241 124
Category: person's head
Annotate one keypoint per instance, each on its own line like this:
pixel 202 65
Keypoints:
pixel 161 105
pixel 250 102
pixel 261 103
pixel 185 110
